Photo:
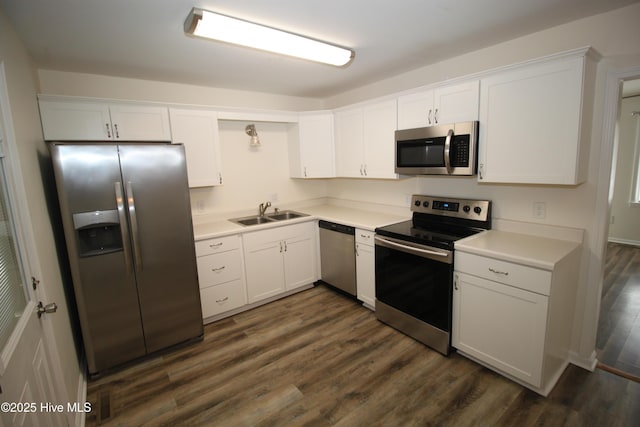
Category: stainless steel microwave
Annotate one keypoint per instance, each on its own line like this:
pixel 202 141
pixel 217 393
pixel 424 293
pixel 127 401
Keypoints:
pixel 437 150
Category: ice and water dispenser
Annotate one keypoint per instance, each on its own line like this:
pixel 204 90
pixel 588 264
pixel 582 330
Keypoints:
pixel 98 232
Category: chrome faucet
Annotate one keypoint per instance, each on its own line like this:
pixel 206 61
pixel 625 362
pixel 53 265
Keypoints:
pixel 263 208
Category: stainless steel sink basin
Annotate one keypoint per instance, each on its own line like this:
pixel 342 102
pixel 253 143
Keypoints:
pixel 252 220
pixel 286 215
pixel 274 217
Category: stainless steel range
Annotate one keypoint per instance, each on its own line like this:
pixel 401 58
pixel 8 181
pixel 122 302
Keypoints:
pixel 414 266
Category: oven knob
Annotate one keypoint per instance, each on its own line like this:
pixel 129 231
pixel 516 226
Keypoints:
pixel 477 210
pixel 417 203
pixel 425 204
pixel 466 208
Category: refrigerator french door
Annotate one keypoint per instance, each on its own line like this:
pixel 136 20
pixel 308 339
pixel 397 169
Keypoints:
pixel 127 221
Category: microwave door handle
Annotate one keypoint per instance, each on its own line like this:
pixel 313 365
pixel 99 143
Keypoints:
pixel 447 151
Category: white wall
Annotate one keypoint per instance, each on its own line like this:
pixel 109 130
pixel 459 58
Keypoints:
pixel 22 87
pixel 625 226
pixel 254 175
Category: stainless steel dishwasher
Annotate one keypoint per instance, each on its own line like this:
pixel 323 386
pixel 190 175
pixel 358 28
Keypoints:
pixel 338 256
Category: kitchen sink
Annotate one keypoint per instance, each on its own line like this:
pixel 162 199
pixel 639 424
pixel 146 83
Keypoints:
pixel 274 217
pixel 286 215
pixel 252 220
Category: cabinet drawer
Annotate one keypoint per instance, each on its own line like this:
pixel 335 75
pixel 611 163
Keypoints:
pixel 211 246
pixel 516 275
pixel 219 268
pixel 364 236
pixel 221 298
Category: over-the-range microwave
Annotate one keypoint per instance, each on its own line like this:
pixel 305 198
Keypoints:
pixel 437 150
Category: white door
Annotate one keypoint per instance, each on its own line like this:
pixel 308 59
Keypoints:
pixel 28 395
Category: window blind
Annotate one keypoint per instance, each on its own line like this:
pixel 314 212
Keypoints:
pixel 12 290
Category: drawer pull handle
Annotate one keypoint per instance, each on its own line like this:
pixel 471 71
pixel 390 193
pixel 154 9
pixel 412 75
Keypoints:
pixel 505 273
pixel 215 245
pixel 219 268
pixel 364 236
pixel 220 301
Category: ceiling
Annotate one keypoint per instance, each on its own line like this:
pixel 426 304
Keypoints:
pixel 145 38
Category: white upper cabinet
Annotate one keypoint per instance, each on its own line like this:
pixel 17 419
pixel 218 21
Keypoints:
pixel 534 122
pixel 441 105
pixel 365 140
pixel 69 119
pixel 198 131
pixel 311 146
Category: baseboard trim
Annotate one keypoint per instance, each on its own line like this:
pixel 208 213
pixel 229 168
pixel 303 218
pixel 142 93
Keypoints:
pixel 624 241
pixel 589 363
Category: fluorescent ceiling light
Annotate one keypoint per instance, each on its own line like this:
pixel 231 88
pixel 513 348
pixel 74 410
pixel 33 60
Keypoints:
pixel 203 23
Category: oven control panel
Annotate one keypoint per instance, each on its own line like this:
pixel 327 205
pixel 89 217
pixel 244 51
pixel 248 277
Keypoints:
pixel 478 210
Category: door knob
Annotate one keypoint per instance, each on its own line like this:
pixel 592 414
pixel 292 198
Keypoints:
pixel 49 308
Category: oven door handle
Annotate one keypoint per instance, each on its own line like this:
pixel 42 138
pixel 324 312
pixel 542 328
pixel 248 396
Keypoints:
pixel 425 253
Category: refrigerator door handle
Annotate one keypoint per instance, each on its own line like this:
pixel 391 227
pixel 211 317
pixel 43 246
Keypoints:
pixel 124 229
pixel 131 203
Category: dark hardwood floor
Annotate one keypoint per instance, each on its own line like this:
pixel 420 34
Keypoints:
pixel 618 342
pixel 318 358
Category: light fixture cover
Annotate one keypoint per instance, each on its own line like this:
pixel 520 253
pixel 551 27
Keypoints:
pixel 211 25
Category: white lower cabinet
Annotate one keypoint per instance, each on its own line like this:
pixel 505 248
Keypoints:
pixel 365 267
pixel 516 318
pixel 220 274
pixel 500 325
pixel 279 259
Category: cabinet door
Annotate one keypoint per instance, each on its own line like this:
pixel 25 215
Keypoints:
pixel 75 121
pixel 140 123
pixel 349 143
pixel 456 103
pixel 380 122
pixel 415 110
pixel 316 150
pixel 263 267
pixel 366 274
pixel 300 260
pixel 198 131
pixel 501 326
pixel 530 124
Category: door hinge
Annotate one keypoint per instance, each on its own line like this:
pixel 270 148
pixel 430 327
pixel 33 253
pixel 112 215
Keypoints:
pixel 34 282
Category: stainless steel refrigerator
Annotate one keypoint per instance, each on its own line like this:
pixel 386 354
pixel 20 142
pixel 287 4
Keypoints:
pixel 127 223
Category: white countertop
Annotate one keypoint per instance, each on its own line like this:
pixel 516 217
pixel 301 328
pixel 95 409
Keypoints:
pixel 359 218
pixel 534 251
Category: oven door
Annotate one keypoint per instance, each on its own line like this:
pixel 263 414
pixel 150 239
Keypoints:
pixel 414 286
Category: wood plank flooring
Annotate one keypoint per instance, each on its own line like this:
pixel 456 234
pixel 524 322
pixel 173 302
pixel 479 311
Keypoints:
pixel 618 342
pixel 318 358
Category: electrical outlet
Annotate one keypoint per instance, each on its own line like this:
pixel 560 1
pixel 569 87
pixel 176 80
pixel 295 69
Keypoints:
pixel 200 206
pixel 539 210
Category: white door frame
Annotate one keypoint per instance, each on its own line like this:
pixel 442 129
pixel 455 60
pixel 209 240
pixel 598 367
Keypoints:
pixel 595 273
